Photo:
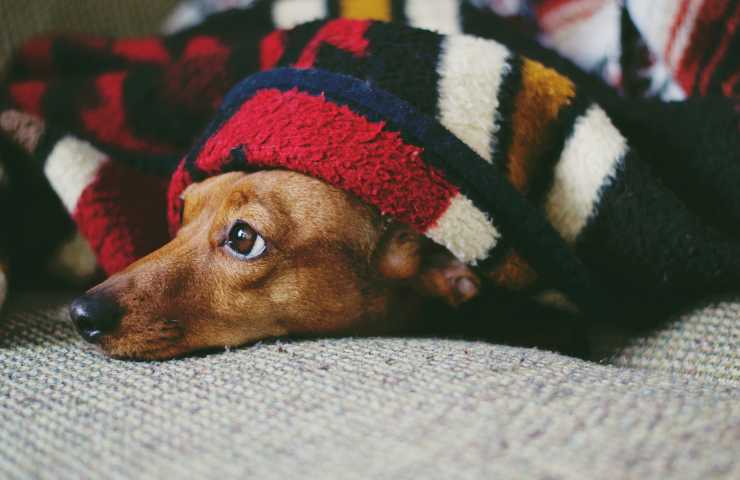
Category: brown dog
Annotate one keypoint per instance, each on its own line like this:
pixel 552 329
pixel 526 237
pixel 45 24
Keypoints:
pixel 268 254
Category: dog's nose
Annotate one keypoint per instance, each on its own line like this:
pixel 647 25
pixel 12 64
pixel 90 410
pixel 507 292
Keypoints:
pixel 94 316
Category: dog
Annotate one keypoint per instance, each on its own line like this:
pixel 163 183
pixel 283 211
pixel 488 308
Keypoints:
pixel 269 254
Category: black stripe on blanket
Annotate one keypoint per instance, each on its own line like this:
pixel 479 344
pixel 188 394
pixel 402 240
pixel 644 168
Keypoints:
pixel 541 180
pixel 297 39
pixel 622 250
pixel 412 74
pixel 333 8
pixel 507 92
pixel 398 11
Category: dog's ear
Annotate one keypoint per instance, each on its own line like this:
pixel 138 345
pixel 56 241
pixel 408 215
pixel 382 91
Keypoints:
pixel 406 256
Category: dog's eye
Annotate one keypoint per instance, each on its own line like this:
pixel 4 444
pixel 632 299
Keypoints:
pixel 244 242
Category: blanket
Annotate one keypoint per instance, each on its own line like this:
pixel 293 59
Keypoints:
pixel 500 150
pixel 664 48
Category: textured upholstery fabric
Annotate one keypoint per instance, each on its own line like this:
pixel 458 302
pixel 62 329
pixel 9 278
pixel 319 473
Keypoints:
pixel 350 408
pixel 22 19
pixel 703 343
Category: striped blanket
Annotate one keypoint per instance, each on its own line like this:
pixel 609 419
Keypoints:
pixel 671 49
pixel 502 151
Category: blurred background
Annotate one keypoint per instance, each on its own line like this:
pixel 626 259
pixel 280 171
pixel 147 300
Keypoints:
pixel 22 19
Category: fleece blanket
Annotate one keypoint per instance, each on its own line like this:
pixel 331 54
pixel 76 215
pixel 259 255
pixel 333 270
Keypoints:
pixel 665 48
pixel 672 49
pixel 505 153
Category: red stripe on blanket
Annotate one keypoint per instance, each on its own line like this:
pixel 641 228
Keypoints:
pixel 107 121
pixel 680 17
pixel 730 28
pixel 546 7
pixel 204 45
pixel 272 48
pixel 308 134
pixel 704 36
pixel 564 14
pixel 148 50
pixel 29 95
pixel 731 86
pixel 35 54
pixel 347 35
pixel 122 215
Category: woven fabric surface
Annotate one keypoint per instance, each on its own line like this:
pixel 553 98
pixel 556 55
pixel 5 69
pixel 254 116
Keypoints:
pixel 349 408
pixel 23 19
pixel 703 342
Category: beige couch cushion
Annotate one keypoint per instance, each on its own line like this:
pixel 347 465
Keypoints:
pixel 704 342
pixel 349 408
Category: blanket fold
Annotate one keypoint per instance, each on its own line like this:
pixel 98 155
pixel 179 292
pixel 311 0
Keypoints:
pixel 542 177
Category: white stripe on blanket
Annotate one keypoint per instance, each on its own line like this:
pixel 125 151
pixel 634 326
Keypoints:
pixel 465 230
pixel 72 165
pixel 587 165
pixel 441 16
pixel 602 29
pixel 289 13
pixel 469 87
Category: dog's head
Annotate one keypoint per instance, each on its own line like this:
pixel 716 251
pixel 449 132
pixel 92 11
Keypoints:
pixel 263 255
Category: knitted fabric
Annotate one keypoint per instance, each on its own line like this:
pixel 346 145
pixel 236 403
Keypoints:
pixel 548 180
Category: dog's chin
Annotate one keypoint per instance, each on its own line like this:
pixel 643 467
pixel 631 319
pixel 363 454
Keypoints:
pixel 144 348
pixel 147 350
pixel 146 340
pixel 134 352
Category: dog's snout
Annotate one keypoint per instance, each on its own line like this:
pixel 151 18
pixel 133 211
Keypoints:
pixel 94 315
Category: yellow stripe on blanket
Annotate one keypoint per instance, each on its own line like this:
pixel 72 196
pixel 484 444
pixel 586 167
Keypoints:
pixel 543 93
pixel 366 9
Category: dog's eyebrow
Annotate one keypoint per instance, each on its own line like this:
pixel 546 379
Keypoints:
pixel 281 206
pixel 270 216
